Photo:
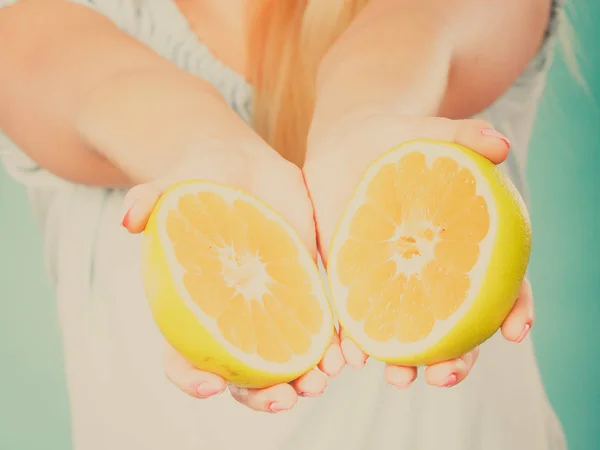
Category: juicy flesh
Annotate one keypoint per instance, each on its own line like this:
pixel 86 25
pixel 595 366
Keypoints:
pixel 411 246
pixel 243 270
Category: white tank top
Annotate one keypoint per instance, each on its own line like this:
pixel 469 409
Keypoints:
pixel 120 398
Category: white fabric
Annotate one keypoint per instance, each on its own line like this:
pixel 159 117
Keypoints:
pixel 120 398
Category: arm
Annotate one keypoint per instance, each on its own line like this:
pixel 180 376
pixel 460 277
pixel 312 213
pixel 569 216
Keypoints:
pixel 94 106
pixel 428 58
pixel 398 67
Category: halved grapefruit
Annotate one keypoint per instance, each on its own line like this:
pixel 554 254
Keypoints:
pixel 428 258
pixel 232 287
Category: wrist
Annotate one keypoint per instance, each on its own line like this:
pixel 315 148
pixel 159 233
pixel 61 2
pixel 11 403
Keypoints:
pixel 363 125
pixel 232 161
pixel 326 131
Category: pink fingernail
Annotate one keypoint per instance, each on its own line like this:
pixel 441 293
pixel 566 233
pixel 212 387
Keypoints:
pixel 126 218
pixel 401 387
pixel 128 203
pixel 308 394
pixel 450 381
pixel 207 389
pixel 493 133
pixel 276 407
pixel 524 333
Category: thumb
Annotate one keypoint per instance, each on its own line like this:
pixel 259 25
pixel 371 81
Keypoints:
pixel 138 205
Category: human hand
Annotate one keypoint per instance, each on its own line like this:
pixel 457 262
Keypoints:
pixel 335 161
pixel 263 173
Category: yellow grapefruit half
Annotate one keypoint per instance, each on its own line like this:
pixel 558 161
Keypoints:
pixel 429 256
pixel 232 287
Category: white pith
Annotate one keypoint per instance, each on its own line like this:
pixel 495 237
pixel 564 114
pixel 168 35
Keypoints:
pixel 393 348
pixel 319 340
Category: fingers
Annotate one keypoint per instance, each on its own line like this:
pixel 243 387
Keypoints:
pixel 450 373
pixel 480 136
pixel 353 355
pixel 281 397
pixel 399 376
pixel 312 384
pixel 520 319
pixel 282 186
pixel 138 205
pixel 333 361
pixel 193 382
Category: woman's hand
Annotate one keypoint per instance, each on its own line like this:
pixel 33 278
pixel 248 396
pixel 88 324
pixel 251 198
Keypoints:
pixel 260 171
pixel 335 162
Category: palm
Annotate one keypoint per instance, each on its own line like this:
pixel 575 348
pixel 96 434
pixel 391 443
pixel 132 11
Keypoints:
pixel 281 186
pixel 332 175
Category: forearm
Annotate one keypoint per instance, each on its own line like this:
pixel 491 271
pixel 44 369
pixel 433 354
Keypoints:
pixel 431 57
pixel 93 105
pixel 149 122
pixel 388 60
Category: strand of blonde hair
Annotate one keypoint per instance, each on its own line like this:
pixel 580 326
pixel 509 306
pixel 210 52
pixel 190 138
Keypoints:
pixel 287 40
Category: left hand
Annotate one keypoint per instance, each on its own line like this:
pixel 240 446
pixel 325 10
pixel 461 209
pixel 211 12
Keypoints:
pixel 281 185
pixel 334 164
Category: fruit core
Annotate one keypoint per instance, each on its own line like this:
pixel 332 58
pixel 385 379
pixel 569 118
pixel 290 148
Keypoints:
pixel 245 272
pixel 414 247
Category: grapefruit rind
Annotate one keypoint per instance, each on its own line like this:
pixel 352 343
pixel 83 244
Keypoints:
pixel 495 279
pixel 189 330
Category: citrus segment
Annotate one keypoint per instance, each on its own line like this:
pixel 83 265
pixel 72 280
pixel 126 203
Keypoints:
pixel 270 345
pixel 306 308
pixel 295 336
pixel 359 255
pixel 416 316
pixel 383 198
pixel 458 215
pixel 371 224
pixel 410 266
pixel 235 272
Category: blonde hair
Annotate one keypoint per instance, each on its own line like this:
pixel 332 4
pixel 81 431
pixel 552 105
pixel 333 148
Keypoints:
pixel 287 40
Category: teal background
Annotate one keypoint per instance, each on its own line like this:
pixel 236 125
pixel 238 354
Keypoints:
pixel 565 208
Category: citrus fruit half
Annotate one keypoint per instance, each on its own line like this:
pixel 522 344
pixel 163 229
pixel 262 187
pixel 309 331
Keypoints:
pixel 429 256
pixel 232 287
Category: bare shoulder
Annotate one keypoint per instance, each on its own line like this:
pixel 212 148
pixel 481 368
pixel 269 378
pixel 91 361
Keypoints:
pixel 494 41
pixel 491 42
pixel 53 54
pixel 511 25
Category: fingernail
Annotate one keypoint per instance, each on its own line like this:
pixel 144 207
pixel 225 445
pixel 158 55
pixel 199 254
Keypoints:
pixel 401 387
pixel 128 203
pixel 125 221
pixel 207 389
pixel 309 394
pixel 450 381
pixel 524 333
pixel 493 133
pixel 276 407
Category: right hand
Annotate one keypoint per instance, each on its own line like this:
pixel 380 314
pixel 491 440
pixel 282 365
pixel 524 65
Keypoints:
pixel 264 174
